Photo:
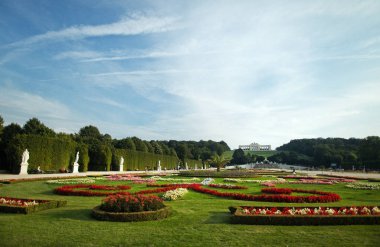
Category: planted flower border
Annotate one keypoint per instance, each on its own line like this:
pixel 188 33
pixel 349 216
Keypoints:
pixel 91 190
pixel 162 213
pixel 361 215
pixel 26 206
pixel 131 208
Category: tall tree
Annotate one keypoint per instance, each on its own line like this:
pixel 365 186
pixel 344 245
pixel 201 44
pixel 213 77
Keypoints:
pixel 35 127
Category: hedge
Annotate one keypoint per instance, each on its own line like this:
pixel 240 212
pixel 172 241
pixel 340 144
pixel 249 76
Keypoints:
pixel 137 160
pixel 43 205
pixel 162 213
pixel 240 218
pixel 49 153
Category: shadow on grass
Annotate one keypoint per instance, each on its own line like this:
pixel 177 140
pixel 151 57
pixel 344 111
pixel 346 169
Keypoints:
pixel 75 214
pixel 219 218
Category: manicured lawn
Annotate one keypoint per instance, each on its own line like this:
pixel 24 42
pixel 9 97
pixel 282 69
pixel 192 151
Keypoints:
pixel 197 220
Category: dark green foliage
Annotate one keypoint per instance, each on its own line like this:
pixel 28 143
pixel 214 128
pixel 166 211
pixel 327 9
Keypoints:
pixel 239 157
pixel 35 127
pixel 361 153
pixel 140 145
pixel 126 143
pixel 136 160
pixel 49 153
pixel 99 214
pixel 84 158
pixel 100 158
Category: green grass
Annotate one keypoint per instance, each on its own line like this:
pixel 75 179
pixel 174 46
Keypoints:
pixel 266 154
pixel 197 220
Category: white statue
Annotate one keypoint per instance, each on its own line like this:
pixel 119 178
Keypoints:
pixel 121 164
pixel 186 167
pixel 159 166
pixel 24 163
pixel 76 165
pixel 25 157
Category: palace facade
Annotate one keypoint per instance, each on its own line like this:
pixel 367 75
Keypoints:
pixel 256 147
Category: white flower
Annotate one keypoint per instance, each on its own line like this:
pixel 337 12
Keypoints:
pixel 173 195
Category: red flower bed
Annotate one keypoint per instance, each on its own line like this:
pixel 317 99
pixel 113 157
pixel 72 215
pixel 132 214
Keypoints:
pixel 228 186
pixel 71 190
pixel 321 196
pixel 131 203
pixel 276 191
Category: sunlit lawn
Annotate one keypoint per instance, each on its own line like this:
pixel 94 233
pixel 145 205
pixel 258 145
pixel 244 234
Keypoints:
pixel 197 220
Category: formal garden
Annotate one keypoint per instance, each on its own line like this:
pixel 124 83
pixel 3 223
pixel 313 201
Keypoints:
pixel 263 208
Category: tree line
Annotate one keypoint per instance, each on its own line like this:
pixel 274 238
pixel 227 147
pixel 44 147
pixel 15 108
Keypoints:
pixel 322 152
pixel 101 146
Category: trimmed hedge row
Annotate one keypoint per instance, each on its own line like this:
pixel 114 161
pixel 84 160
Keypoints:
pixel 49 153
pixel 43 205
pixel 137 160
pixel 99 214
pixel 240 218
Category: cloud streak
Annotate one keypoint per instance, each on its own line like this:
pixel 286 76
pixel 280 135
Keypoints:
pixel 138 24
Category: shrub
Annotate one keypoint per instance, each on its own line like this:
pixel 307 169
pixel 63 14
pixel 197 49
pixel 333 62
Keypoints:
pixel 26 206
pixel 131 203
pixel 172 195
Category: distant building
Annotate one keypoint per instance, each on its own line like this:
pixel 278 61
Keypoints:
pixel 255 147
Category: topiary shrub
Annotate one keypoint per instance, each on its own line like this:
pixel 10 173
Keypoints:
pixel 131 208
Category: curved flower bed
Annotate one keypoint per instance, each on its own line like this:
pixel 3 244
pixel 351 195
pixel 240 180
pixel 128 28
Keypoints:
pixel 91 190
pixel 305 215
pixel 131 208
pixel 228 186
pixel 363 186
pixel 25 206
pixel 318 196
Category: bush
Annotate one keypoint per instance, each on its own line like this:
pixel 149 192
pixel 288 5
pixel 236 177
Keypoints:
pixel 162 213
pixel 131 203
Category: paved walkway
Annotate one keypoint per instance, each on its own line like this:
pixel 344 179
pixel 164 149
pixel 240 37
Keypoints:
pixel 80 174
pixel 92 173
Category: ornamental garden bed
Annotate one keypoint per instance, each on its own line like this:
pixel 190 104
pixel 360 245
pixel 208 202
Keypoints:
pixel 26 206
pixel 91 190
pixel 359 215
pixel 131 208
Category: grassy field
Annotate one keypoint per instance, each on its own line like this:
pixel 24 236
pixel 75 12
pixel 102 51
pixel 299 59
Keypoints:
pixel 266 154
pixel 197 220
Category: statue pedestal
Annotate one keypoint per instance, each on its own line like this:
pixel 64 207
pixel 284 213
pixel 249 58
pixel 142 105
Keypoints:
pixel 75 168
pixel 24 169
pixel 121 168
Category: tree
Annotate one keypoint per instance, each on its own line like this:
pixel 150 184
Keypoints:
pixel 238 157
pixel 35 127
pixel 156 147
pixel 1 126
pixel 140 145
pixel 218 161
pixel 90 132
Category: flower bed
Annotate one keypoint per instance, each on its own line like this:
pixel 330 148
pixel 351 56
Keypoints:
pixel 72 181
pixel 158 178
pixel 127 177
pixel 131 208
pixel 363 186
pixel 91 190
pixel 173 195
pixel 305 215
pixel 319 196
pixel 228 186
pixel 25 206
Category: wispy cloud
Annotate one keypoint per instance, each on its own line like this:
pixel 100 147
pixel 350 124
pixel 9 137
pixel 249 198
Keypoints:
pixel 137 24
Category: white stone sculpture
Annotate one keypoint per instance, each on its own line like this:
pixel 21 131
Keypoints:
pixel 76 164
pixel 196 167
pixel 121 165
pixel 186 167
pixel 159 166
pixel 24 163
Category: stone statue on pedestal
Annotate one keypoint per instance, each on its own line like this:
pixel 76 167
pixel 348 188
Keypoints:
pixel 76 165
pixel 24 162
pixel 121 164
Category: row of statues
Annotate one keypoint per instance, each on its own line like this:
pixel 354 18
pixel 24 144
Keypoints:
pixel 25 157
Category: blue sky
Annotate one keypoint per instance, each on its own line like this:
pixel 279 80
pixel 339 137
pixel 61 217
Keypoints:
pixel 238 71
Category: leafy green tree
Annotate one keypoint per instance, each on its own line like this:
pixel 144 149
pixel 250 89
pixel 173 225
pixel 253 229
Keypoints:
pixel 140 145
pixel 238 157
pixel 90 132
pixel 218 161
pixel 34 127
pixel 156 147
